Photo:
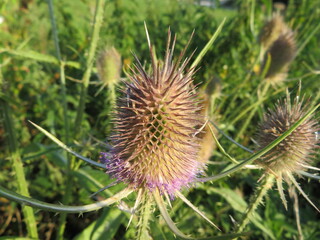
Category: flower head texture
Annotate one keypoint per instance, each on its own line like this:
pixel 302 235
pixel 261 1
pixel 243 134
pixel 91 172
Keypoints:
pixel 155 142
pixel 294 152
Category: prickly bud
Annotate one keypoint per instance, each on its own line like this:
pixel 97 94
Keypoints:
pixel 155 144
pixel 294 152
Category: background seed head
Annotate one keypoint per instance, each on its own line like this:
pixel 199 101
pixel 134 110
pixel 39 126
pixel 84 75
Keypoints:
pixel 272 30
pixel 282 52
pixel 155 143
pixel 297 149
pixel 109 66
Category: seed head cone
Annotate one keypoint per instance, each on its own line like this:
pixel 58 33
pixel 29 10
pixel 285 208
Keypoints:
pixel 109 66
pixel 282 53
pixel 272 30
pixel 155 144
pixel 297 149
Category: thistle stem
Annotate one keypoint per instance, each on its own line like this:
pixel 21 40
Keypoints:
pixel 86 77
pixel 62 208
pixel 256 201
pixel 145 214
pixel 67 196
pixel 17 163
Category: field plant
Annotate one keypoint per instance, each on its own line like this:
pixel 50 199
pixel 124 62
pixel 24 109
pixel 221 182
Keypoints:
pixel 135 119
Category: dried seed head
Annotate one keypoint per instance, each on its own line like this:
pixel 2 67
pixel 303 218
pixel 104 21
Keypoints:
pixel 109 66
pixel 155 145
pixel 214 87
pixel 297 149
pixel 272 30
pixel 281 54
pixel 207 142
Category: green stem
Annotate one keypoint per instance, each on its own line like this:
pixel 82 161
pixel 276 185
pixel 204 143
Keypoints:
pixel 67 196
pixel 254 204
pixel 17 163
pixel 144 218
pixel 86 77
pixel 61 208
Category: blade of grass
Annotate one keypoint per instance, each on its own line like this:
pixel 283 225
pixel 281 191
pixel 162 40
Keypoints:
pixel 65 147
pixel 208 45
pixel 9 127
pixel 39 57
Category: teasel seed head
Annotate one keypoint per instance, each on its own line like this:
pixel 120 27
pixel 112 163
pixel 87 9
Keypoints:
pixel 109 66
pixel 210 91
pixel 271 31
pixel 297 150
pixel 281 53
pixel 155 144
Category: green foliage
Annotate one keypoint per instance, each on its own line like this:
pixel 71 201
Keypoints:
pixel 30 86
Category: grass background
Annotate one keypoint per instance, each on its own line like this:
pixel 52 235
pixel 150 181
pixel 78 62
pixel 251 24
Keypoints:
pixel 31 89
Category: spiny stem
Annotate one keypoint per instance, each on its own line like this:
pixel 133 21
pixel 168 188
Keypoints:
pixel 144 217
pixel 86 77
pixel 66 197
pixel 254 204
pixel 294 196
pixel 17 163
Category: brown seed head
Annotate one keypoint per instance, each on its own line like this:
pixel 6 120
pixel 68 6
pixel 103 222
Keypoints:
pixel 272 30
pixel 155 145
pixel 282 52
pixel 297 149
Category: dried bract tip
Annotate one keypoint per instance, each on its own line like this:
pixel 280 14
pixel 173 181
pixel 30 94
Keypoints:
pixel 297 149
pixel 155 144
pixel 109 66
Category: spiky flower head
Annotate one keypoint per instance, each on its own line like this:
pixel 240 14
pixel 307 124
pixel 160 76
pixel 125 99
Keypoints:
pixel 155 144
pixel 295 152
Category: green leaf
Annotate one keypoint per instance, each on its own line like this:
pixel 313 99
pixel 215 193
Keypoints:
pixel 105 227
pixel 238 204
pixel 208 45
pixel 65 147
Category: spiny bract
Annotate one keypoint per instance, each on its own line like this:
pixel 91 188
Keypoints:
pixel 155 144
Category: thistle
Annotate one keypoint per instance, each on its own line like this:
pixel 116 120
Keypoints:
pixel 294 154
pixel 290 157
pixel 156 147
pixel 155 144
